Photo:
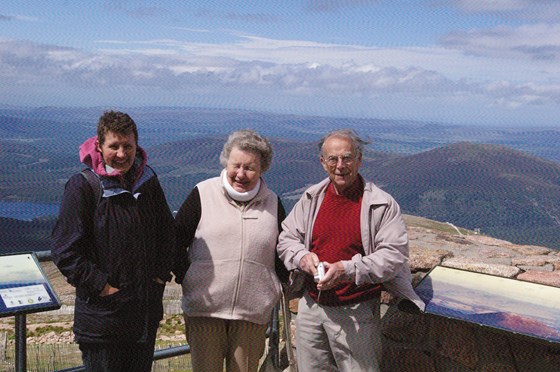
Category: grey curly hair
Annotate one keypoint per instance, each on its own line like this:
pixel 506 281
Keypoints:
pixel 250 141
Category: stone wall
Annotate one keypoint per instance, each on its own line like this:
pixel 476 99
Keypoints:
pixel 429 343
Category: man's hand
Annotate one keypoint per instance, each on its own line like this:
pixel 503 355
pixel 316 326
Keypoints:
pixel 309 263
pixel 108 290
pixel 334 275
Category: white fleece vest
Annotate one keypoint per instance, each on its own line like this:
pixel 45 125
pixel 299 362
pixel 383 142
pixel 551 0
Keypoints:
pixel 232 273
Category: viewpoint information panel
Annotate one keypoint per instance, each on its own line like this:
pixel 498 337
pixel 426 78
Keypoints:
pixel 510 305
pixel 24 288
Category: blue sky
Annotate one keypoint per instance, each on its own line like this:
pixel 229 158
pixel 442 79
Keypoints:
pixel 484 62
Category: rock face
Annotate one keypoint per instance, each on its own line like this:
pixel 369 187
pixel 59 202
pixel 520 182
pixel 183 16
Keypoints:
pixel 424 342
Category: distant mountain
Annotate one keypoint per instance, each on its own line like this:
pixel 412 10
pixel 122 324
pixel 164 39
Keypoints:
pixel 25 236
pixel 31 173
pixel 181 165
pixel 430 168
pixel 506 193
pixel 503 192
pixel 64 128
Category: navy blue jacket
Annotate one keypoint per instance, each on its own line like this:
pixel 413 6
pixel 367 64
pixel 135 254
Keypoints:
pixel 126 240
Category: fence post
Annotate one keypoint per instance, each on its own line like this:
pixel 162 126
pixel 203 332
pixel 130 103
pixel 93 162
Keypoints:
pixel 3 345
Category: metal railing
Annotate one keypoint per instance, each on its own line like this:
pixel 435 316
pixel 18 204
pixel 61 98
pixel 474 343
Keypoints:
pixel 170 352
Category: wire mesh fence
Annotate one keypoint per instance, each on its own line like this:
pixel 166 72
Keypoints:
pixel 54 357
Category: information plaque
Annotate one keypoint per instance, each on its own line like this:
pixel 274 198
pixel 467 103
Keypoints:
pixel 24 288
pixel 510 305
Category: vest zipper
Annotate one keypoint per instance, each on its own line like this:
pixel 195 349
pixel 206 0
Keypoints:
pixel 241 261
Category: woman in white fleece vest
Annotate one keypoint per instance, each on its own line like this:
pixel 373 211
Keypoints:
pixel 226 261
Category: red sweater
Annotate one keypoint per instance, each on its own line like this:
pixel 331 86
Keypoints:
pixel 337 236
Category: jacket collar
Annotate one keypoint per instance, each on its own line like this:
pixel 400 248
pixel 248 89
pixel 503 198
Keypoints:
pixel 263 192
pixel 375 195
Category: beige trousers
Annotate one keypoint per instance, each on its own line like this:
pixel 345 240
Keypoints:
pixel 338 338
pixel 213 340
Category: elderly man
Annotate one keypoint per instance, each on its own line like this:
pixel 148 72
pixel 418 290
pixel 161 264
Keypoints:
pixel 357 232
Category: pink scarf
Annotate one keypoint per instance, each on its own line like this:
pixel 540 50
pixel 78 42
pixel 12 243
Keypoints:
pixel 91 157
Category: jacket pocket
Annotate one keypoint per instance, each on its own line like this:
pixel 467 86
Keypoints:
pixel 259 290
pixel 209 287
pixel 120 315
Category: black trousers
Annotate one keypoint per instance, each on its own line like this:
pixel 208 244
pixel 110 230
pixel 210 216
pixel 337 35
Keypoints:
pixel 120 357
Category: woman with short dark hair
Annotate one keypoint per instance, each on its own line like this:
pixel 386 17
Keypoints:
pixel 113 241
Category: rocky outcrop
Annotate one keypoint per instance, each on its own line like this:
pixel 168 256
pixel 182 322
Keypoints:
pixel 66 337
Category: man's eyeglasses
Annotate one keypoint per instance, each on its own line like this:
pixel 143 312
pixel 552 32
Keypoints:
pixel 345 159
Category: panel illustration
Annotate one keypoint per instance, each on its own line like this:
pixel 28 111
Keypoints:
pixel 511 305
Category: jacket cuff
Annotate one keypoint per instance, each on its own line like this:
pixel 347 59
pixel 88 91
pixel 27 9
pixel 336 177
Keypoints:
pixel 298 256
pixel 349 270
pixel 99 282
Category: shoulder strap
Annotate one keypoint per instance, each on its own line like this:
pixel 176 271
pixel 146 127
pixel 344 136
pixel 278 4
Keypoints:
pixel 94 182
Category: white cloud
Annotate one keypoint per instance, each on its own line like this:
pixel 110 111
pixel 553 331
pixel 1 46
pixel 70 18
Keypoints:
pixel 529 10
pixel 511 95
pixel 540 42
pixel 335 5
pixel 492 5
pixel 188 29
pixel 291 68
pixel 7 18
